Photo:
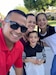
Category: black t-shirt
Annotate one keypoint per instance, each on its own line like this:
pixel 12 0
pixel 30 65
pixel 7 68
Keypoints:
pixel 50 31
pixel 30 52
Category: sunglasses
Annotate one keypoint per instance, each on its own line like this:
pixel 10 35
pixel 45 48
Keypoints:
pixel 15 26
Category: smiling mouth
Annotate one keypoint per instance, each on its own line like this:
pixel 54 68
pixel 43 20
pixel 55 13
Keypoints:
pixel 15 35
pixel 33 42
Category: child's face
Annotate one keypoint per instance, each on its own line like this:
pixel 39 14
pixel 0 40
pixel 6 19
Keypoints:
pixel 31 22
pixel 11 34
pixel 33 39
pixel 42 21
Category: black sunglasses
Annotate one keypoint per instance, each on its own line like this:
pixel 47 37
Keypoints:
pixel 15 26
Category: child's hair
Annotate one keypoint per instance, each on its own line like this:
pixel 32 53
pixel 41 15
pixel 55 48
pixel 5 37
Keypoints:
pixel 32 32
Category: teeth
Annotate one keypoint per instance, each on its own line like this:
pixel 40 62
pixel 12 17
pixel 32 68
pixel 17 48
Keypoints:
pixel 15 35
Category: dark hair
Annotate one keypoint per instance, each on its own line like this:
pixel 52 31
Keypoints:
pixel 30 14
pixel 32 32
pixel 40 14
pixel 17 11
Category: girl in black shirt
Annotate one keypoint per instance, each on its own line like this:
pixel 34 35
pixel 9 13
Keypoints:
pixel 34 55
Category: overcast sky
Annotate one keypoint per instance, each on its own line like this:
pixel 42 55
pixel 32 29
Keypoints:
pixel 6 5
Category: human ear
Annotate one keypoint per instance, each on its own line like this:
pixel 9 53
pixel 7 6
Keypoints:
pixel 3 23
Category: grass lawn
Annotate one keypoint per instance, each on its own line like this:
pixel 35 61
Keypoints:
pixel 52 22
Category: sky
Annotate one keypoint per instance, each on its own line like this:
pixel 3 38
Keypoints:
pixel 7 5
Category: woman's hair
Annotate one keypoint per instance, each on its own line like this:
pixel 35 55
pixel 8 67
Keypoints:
pixel 30 14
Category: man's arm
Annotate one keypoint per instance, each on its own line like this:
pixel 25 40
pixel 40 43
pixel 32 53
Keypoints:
pixel 19 71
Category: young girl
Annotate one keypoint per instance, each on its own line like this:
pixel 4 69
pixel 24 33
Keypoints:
pixel 34 55
pixel 48 35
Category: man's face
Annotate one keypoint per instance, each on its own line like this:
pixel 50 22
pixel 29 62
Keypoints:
pixel 13 35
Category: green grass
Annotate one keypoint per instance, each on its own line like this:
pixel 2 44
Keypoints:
pixel 52 22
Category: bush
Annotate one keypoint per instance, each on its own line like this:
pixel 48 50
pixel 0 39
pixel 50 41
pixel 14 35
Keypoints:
pixel 50 17
pixel 0 24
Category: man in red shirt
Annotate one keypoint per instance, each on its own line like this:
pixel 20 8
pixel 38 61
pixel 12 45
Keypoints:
pixel 13 26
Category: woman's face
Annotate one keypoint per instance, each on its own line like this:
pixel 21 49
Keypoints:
pixel 31 22
pixel 42 21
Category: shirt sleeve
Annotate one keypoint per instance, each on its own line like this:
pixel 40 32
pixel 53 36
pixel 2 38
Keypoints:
pixel 19 62
pixel 24 55
pixel 55 28
pixel 44 55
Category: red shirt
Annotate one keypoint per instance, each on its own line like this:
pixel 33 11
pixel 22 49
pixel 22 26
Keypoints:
pixel 9 58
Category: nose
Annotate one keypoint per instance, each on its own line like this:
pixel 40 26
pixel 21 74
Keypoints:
pixel 41 21
pixel 32 23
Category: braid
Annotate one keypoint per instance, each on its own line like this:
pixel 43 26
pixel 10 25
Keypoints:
pixel 38 31
pixel 41 43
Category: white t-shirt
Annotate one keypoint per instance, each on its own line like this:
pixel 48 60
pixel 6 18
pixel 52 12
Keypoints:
pixel 50 40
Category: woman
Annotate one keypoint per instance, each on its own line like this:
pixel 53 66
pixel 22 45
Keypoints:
pixel 48 35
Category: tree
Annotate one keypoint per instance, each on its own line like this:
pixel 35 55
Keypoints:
pixel 1 21
pixel 53 3
pixel 39 4
pixel 22 8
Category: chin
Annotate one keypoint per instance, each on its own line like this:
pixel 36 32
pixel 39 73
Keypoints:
pixel 14 41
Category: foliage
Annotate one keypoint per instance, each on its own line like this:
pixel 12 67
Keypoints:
pixel 0 24
pixel 39 4
pixel 1 21
pixel 22 8
pixel 53 3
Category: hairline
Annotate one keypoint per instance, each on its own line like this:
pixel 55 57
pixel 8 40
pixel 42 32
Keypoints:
pixel 15 11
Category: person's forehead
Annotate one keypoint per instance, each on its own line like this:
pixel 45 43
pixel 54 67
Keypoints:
pixel 41 16
pixel 31 18
pixel 18 18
